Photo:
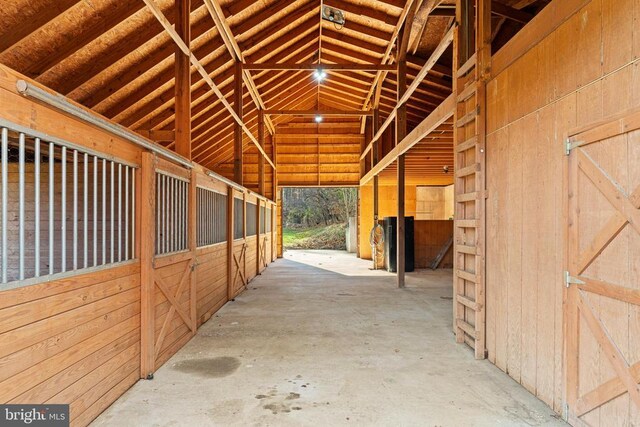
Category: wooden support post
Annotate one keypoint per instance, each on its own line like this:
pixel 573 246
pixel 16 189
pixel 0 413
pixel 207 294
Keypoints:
pixel 375 157
pixel 193 245
pixel 363 144
pixel 260 158
pixel 401 132
pixel 244 234
pixel 258 245
pixel 147 252
pixel 230 228
pixel 238 167
pixel 183 82
pixel 279 222
pixel 274 172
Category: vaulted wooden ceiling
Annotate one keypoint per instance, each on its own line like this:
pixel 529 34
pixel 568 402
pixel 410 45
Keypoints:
pixel 114 57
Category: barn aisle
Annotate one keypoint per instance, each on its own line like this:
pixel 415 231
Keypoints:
pixel 319 339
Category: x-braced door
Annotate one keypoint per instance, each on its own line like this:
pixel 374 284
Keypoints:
pixel 602 295
pixel 168 262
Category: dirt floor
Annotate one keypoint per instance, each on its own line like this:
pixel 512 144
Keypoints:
pixel 320 340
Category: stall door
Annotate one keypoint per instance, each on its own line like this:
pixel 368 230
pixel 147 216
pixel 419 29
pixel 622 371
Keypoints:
pixel 602 312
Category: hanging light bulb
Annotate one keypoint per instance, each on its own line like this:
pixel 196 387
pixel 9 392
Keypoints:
pixel 319 74
pixel 318 119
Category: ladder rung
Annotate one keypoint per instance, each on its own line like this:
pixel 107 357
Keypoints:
pixel 467 66
pixel 466 249
pixel 467 197
pixel 468 170
pixel 466 223
pixel 471 277
pixel 467 92
pixel 467 118
pixel 466 327
pixel 467 302
pixel 469 143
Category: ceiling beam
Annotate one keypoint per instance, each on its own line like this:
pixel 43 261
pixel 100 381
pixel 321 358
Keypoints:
pixel 332 112
pixel 440 115
pixel 315 66
pixel 155 10
pixel 511 13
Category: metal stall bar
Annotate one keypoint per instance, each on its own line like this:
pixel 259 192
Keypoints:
pixel 119 212
pixel 21 196
pixel 36 203
pixel 5 199
pixel 126 212
pixel 104 211
pixel 95 211
pixel 112 219
pixel 75 210
pixel 85 218
pixel 52 149
pixel 63 213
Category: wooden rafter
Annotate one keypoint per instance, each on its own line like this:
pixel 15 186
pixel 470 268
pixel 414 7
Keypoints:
pixel 444 44
pixel 234 50
pixel 196 63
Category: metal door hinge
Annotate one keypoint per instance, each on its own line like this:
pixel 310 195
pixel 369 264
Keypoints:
pixel 570 280
pixel 569 145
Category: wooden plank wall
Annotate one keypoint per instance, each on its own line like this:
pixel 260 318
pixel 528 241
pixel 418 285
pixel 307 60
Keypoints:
pixel 211 280
pixel 318 154
pixel 578 73
pixel 73 341
pixel 429 238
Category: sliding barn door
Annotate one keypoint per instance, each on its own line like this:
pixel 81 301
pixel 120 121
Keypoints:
pixel 602 299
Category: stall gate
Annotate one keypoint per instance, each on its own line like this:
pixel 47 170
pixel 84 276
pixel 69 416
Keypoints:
pixel 602 357
pixel 168 259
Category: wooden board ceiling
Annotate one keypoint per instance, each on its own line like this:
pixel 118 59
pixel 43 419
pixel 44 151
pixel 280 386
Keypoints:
pixel 114 57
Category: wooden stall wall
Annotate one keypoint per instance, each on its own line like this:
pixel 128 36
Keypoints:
pixel 574 64
pixel 72 341
pixel 251 254
pixel 75 339
pixel 430 236
pixel 211 260
pixel 238 259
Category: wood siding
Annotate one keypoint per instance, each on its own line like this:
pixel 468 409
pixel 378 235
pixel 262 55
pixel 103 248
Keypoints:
pixel 73 341
pixel 582 71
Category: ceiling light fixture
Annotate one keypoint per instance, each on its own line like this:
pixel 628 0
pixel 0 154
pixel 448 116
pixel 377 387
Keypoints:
pixel 319 74
pixel 318 119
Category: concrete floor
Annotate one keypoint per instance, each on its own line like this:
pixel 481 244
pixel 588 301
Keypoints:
pixel 320 340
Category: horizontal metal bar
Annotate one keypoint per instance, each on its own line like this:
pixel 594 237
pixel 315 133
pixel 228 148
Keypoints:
pixel 62 142
pixel 170 175
pixel 62 275
pixel 60 102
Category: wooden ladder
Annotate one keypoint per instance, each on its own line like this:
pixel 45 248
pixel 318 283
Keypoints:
pixel 469 231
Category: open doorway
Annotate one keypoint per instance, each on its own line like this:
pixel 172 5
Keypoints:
pixel 319 218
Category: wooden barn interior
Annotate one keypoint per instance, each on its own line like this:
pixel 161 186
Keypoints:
pixel 145 145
